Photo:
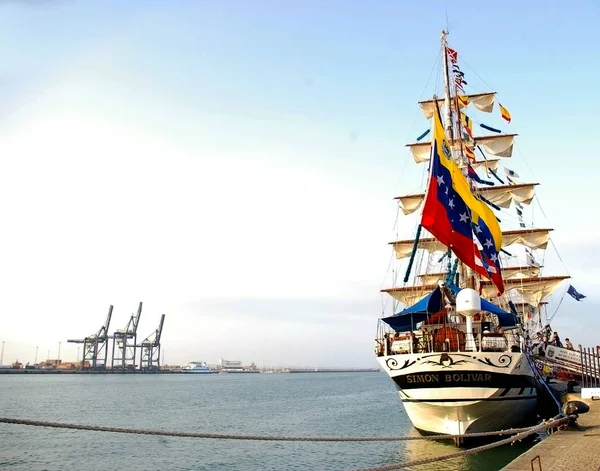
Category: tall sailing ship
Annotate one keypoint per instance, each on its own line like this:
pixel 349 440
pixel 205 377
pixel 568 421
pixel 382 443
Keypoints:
pixel 469 289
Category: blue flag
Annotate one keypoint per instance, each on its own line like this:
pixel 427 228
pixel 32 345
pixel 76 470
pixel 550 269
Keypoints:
pixel 575 294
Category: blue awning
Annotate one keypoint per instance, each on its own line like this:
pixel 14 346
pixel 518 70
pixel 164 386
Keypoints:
pixel 408 318
pixel 432 303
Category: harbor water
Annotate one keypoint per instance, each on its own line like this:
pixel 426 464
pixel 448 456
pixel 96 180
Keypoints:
pixel 319 404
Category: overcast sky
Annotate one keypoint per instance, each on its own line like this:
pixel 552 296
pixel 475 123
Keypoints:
pixel 232 164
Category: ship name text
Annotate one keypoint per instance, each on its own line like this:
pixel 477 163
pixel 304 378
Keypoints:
pixel 448 378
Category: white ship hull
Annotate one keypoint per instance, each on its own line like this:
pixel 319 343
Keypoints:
pixel 464 392
pixel 197 368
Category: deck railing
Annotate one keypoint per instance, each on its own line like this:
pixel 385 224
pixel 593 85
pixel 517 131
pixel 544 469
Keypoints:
pixel 590 367
pixel 450 341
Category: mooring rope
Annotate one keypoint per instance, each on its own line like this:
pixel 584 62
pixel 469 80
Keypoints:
pixel 271 438
pixel 472 451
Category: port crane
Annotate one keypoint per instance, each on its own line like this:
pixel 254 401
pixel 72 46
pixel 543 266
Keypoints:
pixel 124 344
pixel 96 345
pixel 150 348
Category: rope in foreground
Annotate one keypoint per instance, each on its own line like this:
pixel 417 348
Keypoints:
pixel 271 438
pixel 472 451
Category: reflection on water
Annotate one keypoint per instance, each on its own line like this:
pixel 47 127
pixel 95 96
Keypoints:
pixel 486 461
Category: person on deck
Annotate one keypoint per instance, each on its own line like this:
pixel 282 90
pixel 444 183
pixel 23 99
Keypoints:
pixel 415 342
pixel 425 339
pixel 548 332
pixel 555 340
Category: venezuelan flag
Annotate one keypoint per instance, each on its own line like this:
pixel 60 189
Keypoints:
pixel 489 254
pixel 451 211
pixel 504 112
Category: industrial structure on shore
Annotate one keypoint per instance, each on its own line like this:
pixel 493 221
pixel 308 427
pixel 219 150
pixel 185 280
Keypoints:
pixel 126 353
pixel 121 352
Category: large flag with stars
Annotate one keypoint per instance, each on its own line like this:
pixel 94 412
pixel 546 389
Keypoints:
pixel 454 215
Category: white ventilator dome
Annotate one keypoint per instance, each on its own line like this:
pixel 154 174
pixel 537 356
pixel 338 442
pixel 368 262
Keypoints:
pixel 468 302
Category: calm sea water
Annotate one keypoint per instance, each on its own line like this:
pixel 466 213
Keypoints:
pixel 347 404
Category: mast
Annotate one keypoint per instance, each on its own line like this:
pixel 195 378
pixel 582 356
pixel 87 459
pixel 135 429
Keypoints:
pixel 466 275
pixel 448 113
pixel 462 269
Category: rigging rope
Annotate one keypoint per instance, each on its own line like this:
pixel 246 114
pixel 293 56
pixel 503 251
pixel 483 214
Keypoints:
pixel 270 438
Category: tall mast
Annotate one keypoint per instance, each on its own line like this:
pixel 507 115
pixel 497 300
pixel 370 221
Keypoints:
pixel 466 274
pixel 448 112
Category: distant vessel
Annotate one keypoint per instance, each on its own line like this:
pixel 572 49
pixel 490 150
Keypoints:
pixel 197 367
pixel 228 366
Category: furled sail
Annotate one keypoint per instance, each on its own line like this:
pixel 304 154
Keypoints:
pixel 432 278
pixel 404 248
pixel 409 294
pixel 507 272
pixel 501 195
pixel 500 145
pixel 410 203
pixel 532 290
pixel 491 164
pixel 525 271
pixel 481 101
pixel 532 238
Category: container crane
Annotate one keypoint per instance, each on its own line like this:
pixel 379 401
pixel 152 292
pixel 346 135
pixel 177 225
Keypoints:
pixel 124 351
pixel 95 345
pixel 150 348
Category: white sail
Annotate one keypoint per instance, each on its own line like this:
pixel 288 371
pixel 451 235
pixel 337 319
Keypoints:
pixel 404 248
pixel 409 294
pixel 501 195
pixel 532 290
pixel 410 203
pixel 500 145
pixel 481 101
pixel 532 238
pixel 520 271
pixel 489 164
pixel 432 278
pixel 504 195
pixel 507 272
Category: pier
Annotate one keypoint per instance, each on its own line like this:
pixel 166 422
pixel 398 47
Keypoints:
pixel 566 450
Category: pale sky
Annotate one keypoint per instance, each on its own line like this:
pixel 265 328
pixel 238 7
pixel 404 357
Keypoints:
pixel 232 164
